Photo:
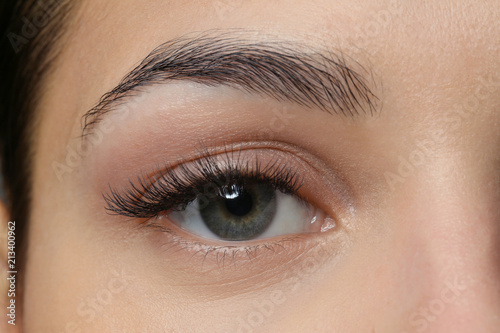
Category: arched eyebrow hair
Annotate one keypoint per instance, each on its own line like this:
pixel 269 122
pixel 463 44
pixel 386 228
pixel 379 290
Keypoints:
pixel 283 70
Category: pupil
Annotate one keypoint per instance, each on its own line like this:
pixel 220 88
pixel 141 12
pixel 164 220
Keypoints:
pixel 239 203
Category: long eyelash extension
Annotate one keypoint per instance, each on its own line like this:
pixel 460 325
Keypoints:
pixel 177 186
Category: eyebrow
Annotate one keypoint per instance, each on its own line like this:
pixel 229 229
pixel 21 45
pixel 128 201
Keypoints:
pixel 283 70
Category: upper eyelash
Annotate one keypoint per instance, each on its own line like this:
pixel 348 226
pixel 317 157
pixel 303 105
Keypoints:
pixel 180 185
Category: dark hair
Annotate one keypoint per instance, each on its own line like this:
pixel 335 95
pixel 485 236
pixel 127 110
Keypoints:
pixel 30 29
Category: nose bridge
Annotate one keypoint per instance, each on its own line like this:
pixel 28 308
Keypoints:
pixel 457 224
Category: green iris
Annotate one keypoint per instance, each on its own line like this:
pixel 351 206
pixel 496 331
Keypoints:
pixel 240 212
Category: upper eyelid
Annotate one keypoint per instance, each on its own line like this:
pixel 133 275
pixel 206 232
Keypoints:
pixel 123 203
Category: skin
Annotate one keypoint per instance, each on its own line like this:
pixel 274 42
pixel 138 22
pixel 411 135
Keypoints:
pixel 416 251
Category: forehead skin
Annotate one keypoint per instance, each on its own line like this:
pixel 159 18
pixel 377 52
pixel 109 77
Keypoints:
pixel 428 60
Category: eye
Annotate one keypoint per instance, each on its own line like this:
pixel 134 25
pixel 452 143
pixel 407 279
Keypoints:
pixel 229 197
pixel 246 211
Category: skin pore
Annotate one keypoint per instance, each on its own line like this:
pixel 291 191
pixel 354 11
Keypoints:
pixel 412 185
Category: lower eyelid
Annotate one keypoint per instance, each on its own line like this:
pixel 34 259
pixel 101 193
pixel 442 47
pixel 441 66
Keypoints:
pixel 173 238
pixel 216 271
pixel 174 242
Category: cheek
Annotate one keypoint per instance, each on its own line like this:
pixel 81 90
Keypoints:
pixel 61 277
pixel 72 282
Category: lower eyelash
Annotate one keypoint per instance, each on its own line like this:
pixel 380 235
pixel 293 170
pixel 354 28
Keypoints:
pixel 221 254
pixel 176 186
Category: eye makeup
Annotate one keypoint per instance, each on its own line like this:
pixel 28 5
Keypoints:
pixel 190 190
pixel 174 187
pixel 233 190
pixel 235 186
